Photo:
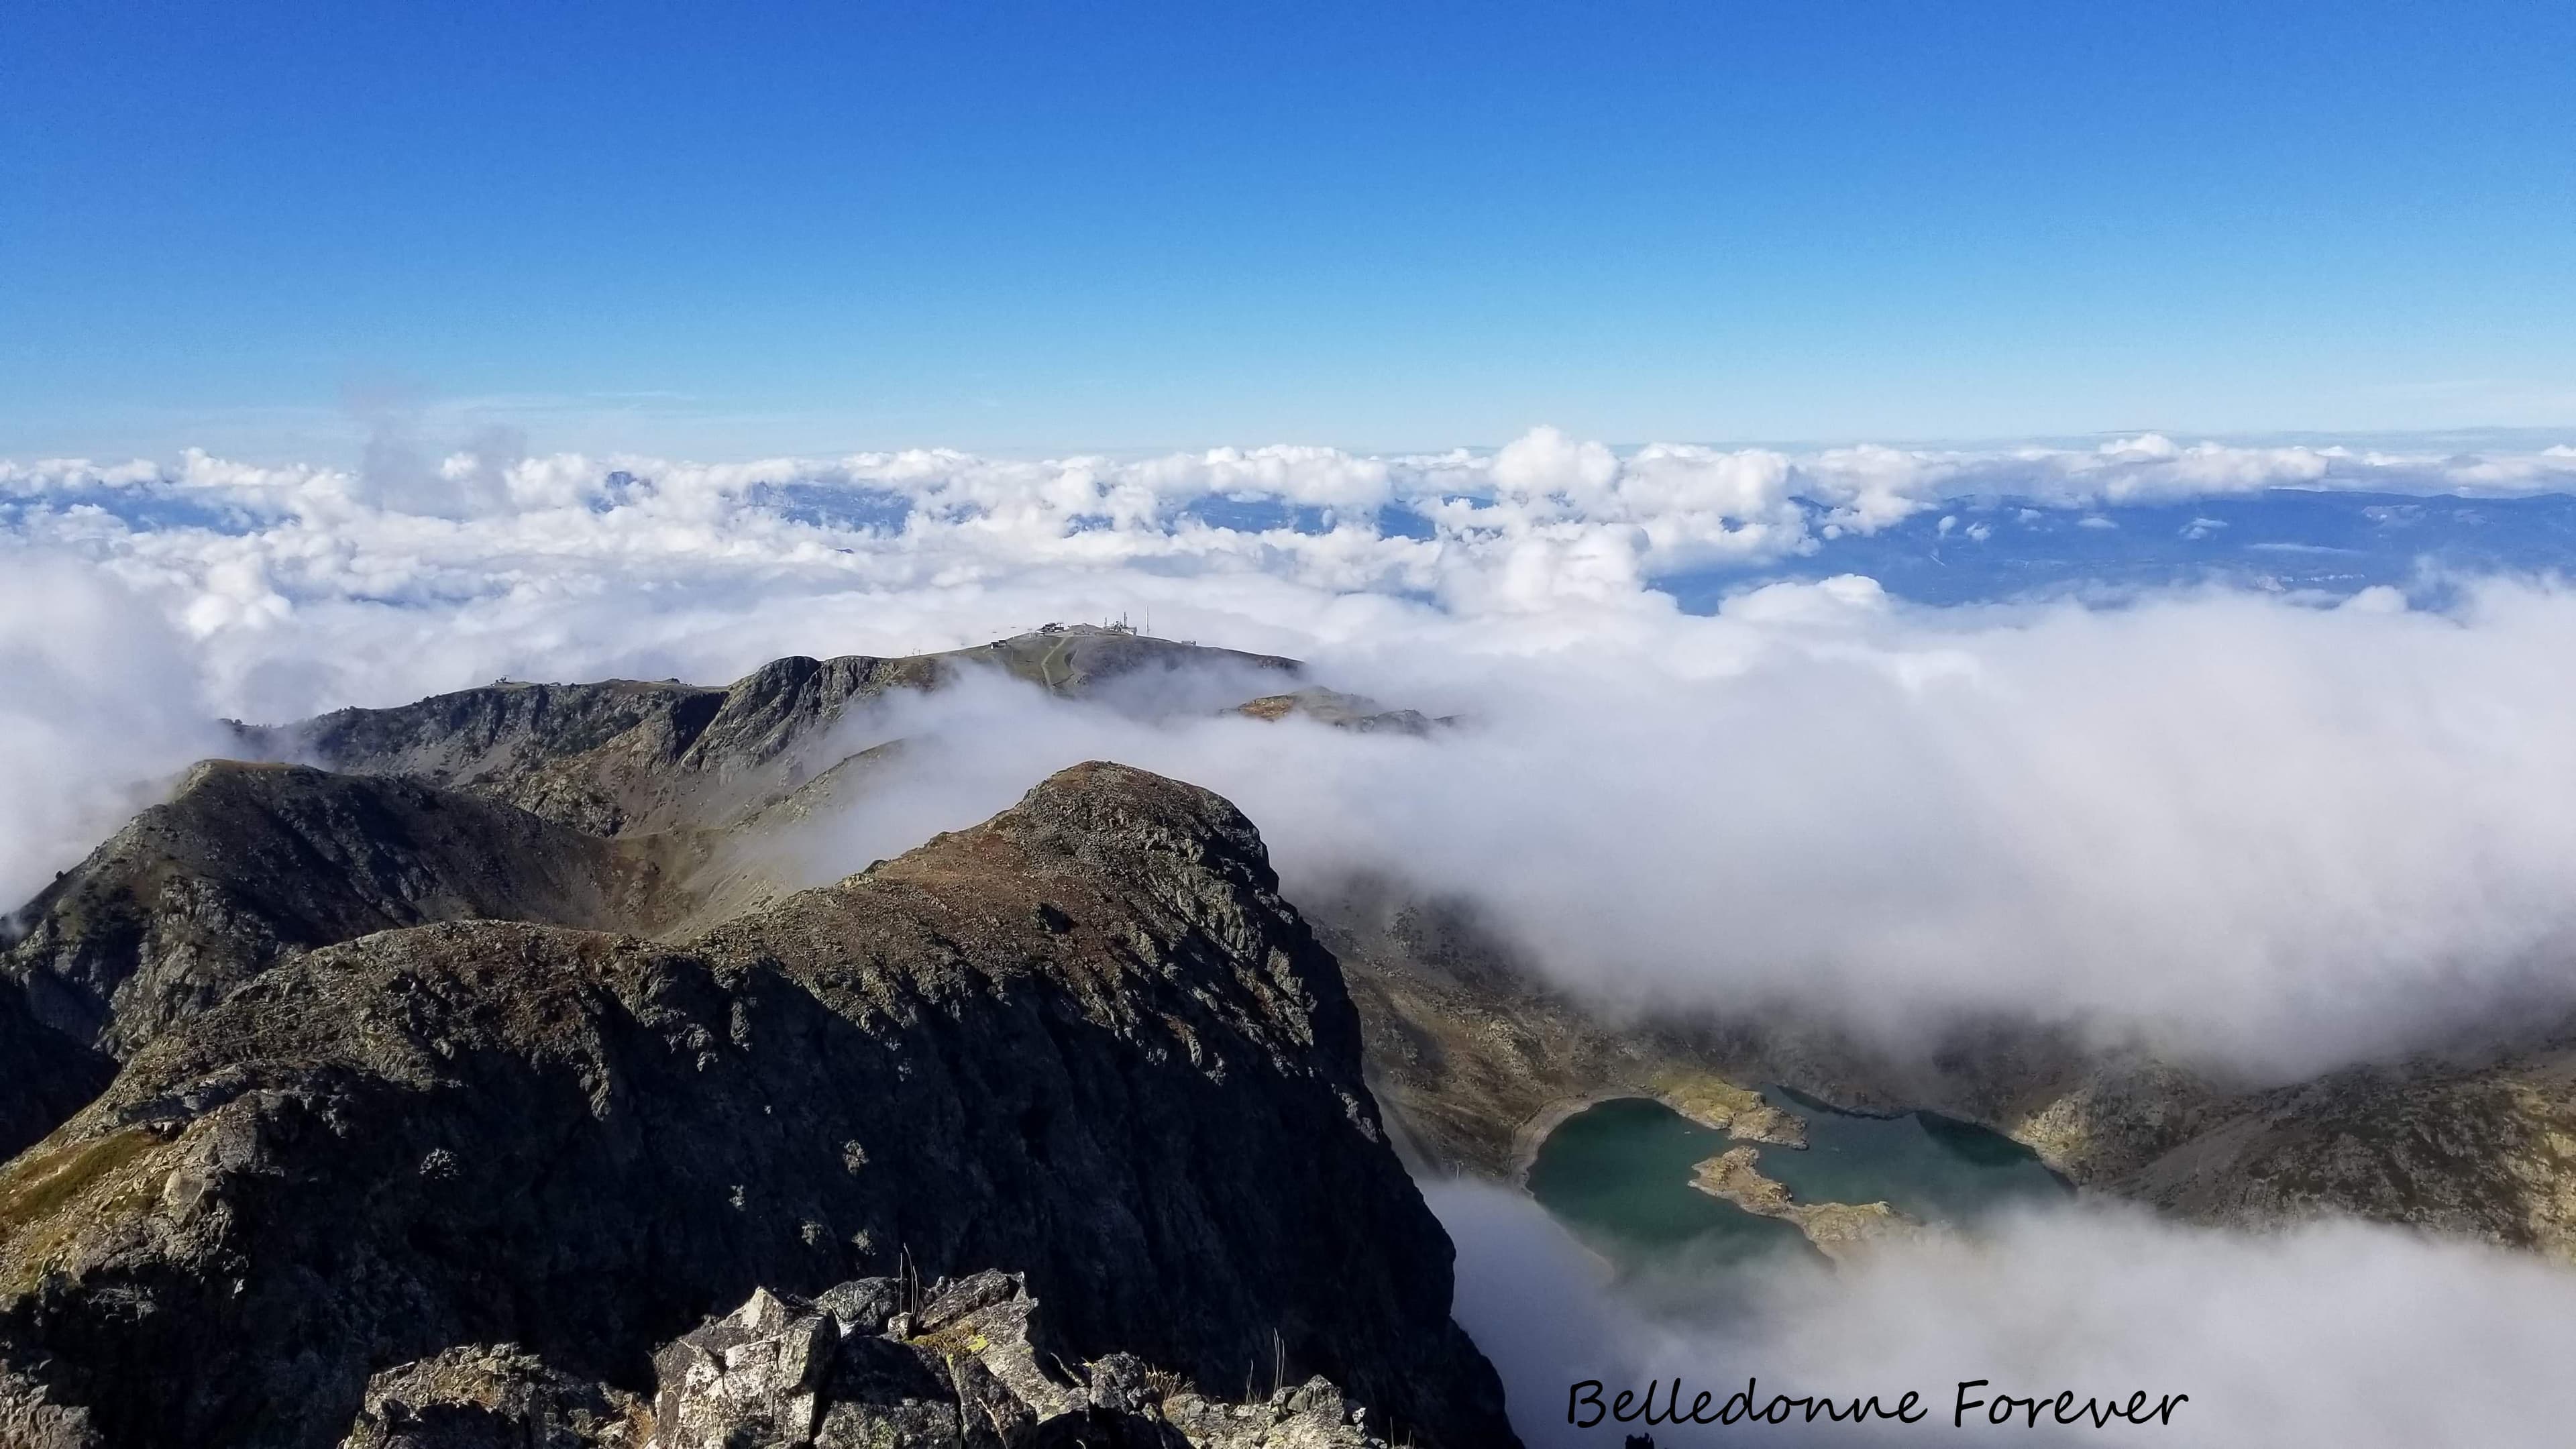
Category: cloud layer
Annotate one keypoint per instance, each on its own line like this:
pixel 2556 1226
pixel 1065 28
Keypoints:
pixel 2270 836
pixel 2336 1333
pixel 1541 523
pixel 98 696
pixel 2250 828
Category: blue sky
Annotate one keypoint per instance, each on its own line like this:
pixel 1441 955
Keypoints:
pixel 258 227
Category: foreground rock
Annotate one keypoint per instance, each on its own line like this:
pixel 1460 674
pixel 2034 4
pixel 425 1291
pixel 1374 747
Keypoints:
pixel 1086 1039
pixel 867 1364
pixel 494 1397
pixel 961 1363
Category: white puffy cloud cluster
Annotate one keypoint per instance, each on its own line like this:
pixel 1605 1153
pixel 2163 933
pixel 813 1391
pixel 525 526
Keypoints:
pixel 2333 1333
pixel 1541 523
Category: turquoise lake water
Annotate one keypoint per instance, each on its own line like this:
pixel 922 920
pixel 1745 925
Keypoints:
pixel 1618 1175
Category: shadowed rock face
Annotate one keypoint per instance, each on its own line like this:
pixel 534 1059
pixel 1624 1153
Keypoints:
pixel 1086 1039
pixel 45 1076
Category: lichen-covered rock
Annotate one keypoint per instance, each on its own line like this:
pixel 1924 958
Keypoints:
pixel 754 1376
pixel 492 1397
pixel 1312 1415
pixel 1084 1039
pixel 30 1419
pixel 968 1369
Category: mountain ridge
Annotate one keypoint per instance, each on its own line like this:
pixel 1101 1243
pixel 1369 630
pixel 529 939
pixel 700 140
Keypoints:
pixel 479 1131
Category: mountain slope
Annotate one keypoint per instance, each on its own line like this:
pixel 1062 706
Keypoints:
pixel 620 805
pixel 246 865
pixel 1086 1041
pixel 625 757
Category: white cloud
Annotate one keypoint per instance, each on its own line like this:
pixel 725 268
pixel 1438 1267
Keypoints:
pixel 97 699
pixel 1544 520
pixel 2269 836
pixel 2332 1333
pixel 2267 832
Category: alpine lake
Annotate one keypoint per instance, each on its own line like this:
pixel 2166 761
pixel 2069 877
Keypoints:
pixel 1618 1175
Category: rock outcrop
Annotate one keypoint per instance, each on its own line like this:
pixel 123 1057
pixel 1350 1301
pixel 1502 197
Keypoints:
pixel 1086 1039
pixel 958 1364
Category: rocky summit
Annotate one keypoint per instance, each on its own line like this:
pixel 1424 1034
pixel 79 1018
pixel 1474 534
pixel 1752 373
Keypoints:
pixel 626 757
pixel 1086 1042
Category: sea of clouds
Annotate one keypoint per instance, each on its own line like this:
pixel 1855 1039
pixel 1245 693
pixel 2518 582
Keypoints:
pixel 1541 525
pixel 2272 833
pixel 2334 1333
pixel 2278 832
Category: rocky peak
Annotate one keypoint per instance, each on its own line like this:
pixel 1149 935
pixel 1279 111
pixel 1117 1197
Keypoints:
pixel 623 757
pixel 1086 1039
pixel 248 864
